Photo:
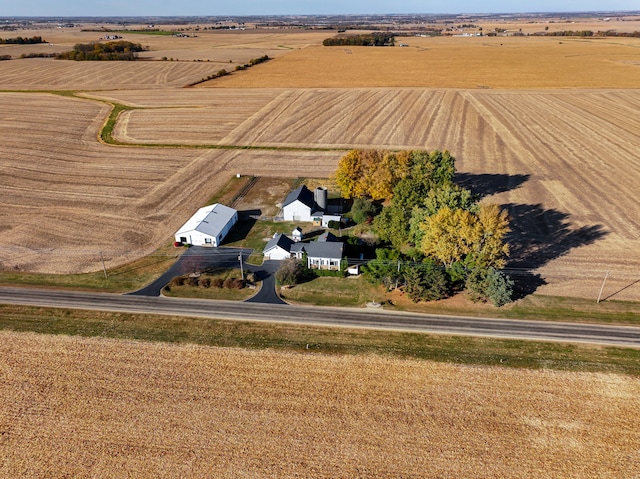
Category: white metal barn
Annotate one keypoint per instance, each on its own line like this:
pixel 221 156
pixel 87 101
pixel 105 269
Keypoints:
pixel 208 226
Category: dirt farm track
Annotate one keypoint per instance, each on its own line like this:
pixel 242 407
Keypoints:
pixel 563 158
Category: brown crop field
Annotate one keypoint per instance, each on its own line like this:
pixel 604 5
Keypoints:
pixel 548 127
pixel 65 197
pixel 47 74
pixel 454 62
pixel 75 407
pixel 564 162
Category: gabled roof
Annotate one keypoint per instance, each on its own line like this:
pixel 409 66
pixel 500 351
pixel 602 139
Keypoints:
pixel 298 247
pixel 327 236
pixel 302 194
pixel 209 220
pixel 324 249
pixel 281 241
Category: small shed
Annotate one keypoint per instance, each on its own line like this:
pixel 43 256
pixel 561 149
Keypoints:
pixel 208 226
pixel 296 234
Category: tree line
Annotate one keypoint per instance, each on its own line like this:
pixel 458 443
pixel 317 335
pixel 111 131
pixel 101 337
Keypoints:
pixel 22 41
pixel 437 237
pixel 118 50
pixel 590 33
pixel 369 39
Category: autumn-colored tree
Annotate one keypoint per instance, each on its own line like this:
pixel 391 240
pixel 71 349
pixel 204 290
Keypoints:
pixel 455 234
pixel 493 226
pixel 375 173
pixel 377 177
pixel 349 175
pixel 449 235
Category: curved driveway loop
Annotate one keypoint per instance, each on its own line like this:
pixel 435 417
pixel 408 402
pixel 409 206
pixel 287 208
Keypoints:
pixel 195 258
pixel 200 258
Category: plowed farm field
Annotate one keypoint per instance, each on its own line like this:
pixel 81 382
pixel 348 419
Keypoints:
pixel 75 407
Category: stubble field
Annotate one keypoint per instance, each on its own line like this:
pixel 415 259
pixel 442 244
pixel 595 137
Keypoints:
pixel 555 140
pixel 561 153
pixel 78 407
pixel 65 197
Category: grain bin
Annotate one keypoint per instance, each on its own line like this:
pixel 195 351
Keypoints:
pixel 320 197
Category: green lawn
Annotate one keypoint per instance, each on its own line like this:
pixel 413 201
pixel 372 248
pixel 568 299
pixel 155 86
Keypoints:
pixel 325 291
pixel 312 339
pixel 128 277
pixel 330 291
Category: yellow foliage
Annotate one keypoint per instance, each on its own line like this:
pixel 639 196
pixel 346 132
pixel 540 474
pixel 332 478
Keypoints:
pixel 450 235
pixel 454 234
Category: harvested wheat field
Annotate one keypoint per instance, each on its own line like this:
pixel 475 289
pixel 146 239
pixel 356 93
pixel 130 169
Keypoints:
pixel 473 62
pixel 547 127
pixel 564 162
pixel 48 74
pixel 65 198
pixel 75 407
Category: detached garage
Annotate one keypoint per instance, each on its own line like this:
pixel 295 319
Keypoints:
pixel 208 226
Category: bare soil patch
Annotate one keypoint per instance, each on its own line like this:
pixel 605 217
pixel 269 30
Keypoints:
pixel 266 196
pixel 94 407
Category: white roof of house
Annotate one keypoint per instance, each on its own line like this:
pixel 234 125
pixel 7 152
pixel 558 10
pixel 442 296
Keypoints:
pixel 209 220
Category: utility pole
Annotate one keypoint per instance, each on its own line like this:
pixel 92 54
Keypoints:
pixel 104 268
pixel 241 269
pixel 606 275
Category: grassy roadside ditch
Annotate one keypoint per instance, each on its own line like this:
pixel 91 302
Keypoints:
pixel 311 339
pixel 355 292
pixel 121 279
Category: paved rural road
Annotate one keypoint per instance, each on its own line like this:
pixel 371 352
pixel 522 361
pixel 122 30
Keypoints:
pixel 365 318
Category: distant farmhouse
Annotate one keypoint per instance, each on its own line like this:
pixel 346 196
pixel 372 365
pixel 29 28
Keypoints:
pixel 306 206
pixel 324 253
pixel 208 226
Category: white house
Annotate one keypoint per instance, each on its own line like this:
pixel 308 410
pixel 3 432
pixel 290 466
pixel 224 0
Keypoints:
pixel 278 247
pixel 304 205
pixel 300 205
pixel 208 226
pixel 296 234
pixel 324 254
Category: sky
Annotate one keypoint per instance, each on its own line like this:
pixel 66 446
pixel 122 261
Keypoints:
pixel 297 7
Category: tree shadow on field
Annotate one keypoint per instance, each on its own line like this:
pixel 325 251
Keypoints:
pixel 537 236
pixel 487 184
pixel 541 235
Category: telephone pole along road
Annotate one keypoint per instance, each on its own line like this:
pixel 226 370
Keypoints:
pixel 355 318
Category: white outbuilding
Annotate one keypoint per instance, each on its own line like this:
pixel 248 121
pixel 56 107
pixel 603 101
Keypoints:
pixel 208 226
pixel 278 247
